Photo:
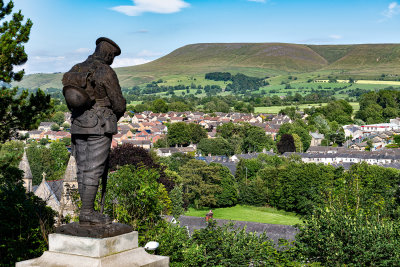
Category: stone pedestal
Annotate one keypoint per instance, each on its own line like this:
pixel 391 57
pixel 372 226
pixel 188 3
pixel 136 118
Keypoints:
pixel 122 250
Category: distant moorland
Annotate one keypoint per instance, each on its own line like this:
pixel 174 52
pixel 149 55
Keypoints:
pixel 275 60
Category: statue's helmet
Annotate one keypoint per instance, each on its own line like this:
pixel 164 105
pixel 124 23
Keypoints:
pixel 76 98
pixel 74 90
pixel 105 39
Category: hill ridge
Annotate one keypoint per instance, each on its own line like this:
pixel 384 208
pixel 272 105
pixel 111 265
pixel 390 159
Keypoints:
pixel 253 59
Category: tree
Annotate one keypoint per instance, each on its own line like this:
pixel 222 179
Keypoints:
pixel 178 106
pixel 178 134
pixel 134 197
pixel 286 144
pixel 183 134
pixel 229 194
pixel 128 154
pixel 196 132
pixel 291 112
pixel 17 111
pixel 201 183
pixel 256 140
pixel 55 127
pixel 397 139
pixel 216 146
pixel 53 161
pixel 25 220
pixel 176 196
pixel 58 117
pixel 60 156
pixel 160 106
pixel 66 125
pixel 297 143
pixel 298 127
pixel 12 150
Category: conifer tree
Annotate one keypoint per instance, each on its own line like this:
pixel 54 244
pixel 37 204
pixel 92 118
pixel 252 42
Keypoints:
pixel 24 110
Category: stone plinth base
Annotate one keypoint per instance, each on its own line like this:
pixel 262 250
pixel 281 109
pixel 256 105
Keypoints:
pixel 122 250
pixel 95 231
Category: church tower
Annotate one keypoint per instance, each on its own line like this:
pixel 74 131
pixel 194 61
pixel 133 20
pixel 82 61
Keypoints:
pixel 24 166
pixel 70 186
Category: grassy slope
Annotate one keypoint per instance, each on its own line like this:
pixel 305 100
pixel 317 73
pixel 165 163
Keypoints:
pixel 250 214
pixel 255 59
pixel 369 61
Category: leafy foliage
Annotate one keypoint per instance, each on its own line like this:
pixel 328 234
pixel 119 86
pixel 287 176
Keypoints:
pixel 14 35
pixel 298 127
pixel 286 144
pixel 183 134
pixel 220 246
pixel 128 154
pixel 215 146
pixel 377 107
pixel 176 196
pixel 334 237
pixel 52 161
pixel 244 137
pixel 21 111
pixel 25 220
pixel 134 197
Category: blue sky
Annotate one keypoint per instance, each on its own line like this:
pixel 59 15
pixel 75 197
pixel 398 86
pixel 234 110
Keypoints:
pixel 64 31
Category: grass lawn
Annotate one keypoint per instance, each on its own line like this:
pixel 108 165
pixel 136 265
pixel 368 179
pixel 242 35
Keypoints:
pixel 250 214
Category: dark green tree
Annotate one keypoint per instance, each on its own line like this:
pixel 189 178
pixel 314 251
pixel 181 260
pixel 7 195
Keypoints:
pixel 216 147
pixel 286 144
pixel 201 183
pixel 58 117
pixel 229 194
pixel 178 134
pixel 159 105
pixel 176 196
pixel 21 111
pixel 134 197
pixel 196 132
pixel 55 127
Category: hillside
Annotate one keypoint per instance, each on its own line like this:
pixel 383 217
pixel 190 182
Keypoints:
pixel 254 59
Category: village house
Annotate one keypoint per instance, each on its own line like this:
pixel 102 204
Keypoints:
pixel 36 134
pixel 316 138
pixel 45 126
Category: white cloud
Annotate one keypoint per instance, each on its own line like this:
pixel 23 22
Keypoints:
pixel 48 58
pixel 125 62
pixel 258 1
pixel 335 36
pixel 154 6
pixel 392 10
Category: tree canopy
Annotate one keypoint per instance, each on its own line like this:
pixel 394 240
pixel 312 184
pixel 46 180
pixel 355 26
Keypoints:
pixel 21 111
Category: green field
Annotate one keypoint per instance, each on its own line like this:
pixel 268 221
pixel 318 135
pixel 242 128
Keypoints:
pixel 250 214
pixel 276 109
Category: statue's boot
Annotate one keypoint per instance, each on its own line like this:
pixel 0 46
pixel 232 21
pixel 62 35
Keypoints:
pixel 87 215
pixel 93 218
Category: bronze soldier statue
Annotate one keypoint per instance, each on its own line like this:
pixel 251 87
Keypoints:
pixel 93 95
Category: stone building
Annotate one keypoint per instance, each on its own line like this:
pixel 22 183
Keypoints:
pixel 25 167
pixel 58 194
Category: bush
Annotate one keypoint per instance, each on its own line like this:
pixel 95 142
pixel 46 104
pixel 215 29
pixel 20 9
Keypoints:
pixel 135 197
pixel 25 220
pixel 220 246
pixel 137 156
pixel 334 237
